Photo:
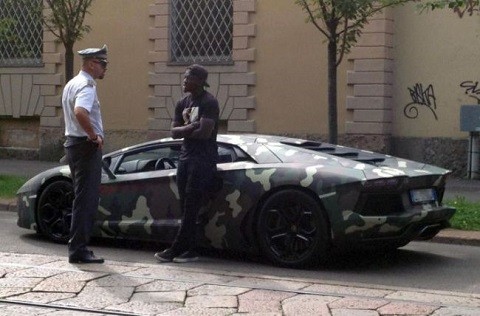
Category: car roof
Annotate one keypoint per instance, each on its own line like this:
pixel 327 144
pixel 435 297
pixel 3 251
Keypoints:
pixel 245 139
pixel 233 139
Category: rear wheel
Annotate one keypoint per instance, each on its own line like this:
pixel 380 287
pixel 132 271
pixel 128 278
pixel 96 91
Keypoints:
pixel 54 211
pixel 292 230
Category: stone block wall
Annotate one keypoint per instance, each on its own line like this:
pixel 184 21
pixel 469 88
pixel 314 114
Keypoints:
pixel 371 80
pixel 229 83
pixel 447 153
pixel 29 97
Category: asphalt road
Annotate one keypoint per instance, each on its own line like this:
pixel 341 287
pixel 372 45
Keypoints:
pixel 419 265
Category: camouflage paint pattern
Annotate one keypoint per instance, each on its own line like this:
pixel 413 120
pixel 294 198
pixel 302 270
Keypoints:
pixel 145 205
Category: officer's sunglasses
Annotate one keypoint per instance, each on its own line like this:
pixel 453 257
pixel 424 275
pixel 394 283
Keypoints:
pixel 102 62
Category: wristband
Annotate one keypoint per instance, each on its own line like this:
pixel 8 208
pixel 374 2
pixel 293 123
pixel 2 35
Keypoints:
pixel 94 139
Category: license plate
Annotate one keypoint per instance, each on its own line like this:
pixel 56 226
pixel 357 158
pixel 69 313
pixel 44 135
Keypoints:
pixel 421 196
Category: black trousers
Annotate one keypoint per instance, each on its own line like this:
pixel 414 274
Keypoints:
pixel 85 161
pixel 195 179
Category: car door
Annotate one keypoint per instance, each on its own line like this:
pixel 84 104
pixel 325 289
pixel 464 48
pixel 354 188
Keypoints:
pixel 141 201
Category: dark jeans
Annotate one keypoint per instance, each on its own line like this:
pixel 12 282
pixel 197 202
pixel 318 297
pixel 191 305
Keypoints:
pixel 195 179
pixel 85 161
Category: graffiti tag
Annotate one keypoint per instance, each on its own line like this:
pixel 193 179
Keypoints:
pixel 471 89
pixel 420 97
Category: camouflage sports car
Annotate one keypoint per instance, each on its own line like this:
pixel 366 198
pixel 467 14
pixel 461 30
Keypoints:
pixel 290 200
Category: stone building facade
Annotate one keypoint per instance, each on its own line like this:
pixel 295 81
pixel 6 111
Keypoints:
pixel 30 106
pixel 231 84
pixel 270 85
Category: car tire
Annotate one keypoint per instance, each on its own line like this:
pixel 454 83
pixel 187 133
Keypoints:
pixel 54 211
pixel 292 230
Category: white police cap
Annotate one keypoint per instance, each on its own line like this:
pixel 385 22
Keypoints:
pixel 94 52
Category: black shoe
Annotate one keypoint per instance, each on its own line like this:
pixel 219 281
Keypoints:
pixel 187 256
pixel 85 257
pixel 165 256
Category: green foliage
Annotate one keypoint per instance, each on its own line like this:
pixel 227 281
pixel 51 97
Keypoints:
pixel 66 19
pixel 458 6
pixel 342 21
pixel 9 25
pixel 9 185
pixel 6 25
pixel 467 216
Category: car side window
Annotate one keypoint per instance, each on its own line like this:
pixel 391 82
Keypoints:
pixel 149 159
pixel 231 154
pixel 225 154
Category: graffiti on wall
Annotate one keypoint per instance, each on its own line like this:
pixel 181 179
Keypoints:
pixel 471 89
pixel 420 98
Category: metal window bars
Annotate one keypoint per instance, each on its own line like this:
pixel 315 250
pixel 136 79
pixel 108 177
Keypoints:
pixel 21 33
pixel 201 31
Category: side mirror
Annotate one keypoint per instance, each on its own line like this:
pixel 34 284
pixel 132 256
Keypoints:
pixel 107 170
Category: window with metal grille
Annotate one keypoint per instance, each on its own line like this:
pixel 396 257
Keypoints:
pixel 21 33
pixel 201 31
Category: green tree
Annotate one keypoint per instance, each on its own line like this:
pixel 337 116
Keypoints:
pixel 458 6
pixel 341 23
pixel 65 19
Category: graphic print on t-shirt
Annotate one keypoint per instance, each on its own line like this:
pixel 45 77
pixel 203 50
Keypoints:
pixel 194 114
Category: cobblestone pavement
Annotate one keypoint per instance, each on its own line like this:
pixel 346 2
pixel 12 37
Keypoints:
pixel 41 285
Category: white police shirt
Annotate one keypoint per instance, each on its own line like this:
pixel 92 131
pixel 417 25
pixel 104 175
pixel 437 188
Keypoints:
pixel 81 91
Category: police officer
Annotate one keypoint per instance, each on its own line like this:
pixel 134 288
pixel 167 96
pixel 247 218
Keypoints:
pixel 83 147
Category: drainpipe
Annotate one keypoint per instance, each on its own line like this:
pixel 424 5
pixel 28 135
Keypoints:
pixel 474 156
pixel 470 122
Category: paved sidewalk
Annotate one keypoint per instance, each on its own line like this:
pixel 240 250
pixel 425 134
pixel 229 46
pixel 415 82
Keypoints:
pixel 41 285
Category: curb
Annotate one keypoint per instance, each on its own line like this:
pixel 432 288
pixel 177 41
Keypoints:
pixel 456 241
pixel 9 205
pixel 458 237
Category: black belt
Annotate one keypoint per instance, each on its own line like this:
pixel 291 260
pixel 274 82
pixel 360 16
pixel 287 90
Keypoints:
pixel 77 137
pixel 74 140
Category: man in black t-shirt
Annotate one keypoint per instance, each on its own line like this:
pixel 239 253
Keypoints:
pixel 196 121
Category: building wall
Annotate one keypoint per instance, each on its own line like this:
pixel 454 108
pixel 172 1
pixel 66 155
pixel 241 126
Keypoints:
pixel 399 91
pixel 435 54
pixel 124 92
pixel 369 101
pixel 29 100
pixel 233 85
pixel 291 68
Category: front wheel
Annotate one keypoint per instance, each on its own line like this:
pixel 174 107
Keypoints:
pixel 292 230
pixel 54 211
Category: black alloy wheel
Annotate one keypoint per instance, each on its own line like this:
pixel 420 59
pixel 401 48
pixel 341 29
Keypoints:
pixel 54 211
pixel 292 230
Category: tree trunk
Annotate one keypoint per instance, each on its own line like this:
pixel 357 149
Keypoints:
pixel 332 93
pixel 69 58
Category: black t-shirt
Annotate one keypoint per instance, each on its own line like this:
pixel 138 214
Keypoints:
pixel 206 106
